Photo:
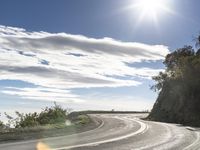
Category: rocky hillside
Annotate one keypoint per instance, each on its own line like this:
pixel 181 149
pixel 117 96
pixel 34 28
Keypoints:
pixel 179 88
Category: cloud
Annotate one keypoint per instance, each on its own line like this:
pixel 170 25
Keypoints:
pixel 44 42
pixel 65 61
pixel 45 94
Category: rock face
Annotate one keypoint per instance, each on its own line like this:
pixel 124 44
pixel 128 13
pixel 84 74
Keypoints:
pixel 176 106
pixel 179 89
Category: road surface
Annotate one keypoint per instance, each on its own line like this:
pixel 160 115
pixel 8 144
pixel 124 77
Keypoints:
pixel 119 132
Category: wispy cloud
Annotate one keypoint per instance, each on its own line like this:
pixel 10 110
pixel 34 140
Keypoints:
pixel 65 61
pixel 45 94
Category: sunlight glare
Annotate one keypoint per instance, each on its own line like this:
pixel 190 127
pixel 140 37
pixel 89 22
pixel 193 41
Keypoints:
pixel 151 8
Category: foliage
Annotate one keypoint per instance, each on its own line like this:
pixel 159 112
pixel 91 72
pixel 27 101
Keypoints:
pixel 82 119
pixel 179 88
pixel 26 120
pixel 11 120
pixel 160 79
pixel 50 115
pixel 1 125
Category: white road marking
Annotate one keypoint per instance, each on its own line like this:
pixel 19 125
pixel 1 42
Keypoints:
pixel 197 141
pixel 163 141
pixel 51 138
pixel 142 129
pixel 172 137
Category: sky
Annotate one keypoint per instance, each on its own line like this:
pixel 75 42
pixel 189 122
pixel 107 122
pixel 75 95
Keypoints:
pixel 88 54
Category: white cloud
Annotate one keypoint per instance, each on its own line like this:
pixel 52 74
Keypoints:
pixel 64 61
pixel 47 94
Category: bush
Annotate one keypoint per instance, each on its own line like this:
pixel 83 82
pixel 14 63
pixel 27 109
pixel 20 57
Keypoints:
pixel 27 120
pixel 83 119
pixel 1 125
pixel 53 115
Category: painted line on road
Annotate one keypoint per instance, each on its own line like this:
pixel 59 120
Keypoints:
pixel 142 129
pixel 161 142
pixel 100 126
pixel 52 138
pixel 170 138
pixel 194 143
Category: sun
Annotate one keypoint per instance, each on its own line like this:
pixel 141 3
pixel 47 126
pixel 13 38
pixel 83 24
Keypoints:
pixel 150 9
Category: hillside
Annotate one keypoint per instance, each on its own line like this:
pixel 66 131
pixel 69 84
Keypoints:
pixel 179 88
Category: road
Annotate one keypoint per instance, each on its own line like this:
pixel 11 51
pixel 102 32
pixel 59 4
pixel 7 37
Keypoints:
pixel 119 132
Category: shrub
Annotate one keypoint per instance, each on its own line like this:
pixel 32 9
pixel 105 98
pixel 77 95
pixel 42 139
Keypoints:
pixel 50 115
pixel 1 125
pixel 26 120
pixel 83 119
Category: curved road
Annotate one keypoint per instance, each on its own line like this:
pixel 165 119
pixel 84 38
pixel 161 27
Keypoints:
pixel 120 132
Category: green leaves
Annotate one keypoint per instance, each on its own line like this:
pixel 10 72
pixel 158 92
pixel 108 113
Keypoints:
pixel 160 79
pixel 177 65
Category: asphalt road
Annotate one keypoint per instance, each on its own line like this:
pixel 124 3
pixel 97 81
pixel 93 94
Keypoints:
pixel 119 132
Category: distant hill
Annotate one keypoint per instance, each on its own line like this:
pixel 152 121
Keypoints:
pixel 179 88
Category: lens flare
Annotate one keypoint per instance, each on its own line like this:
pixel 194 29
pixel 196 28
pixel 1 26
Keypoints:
pixel 42 146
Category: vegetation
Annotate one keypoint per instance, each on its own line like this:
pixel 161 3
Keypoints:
pixel 50 115
pixel 1 125
pixel 51 121
pixel 179 88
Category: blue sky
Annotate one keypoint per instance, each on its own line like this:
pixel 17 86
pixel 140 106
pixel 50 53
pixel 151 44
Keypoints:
pixel 87 54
